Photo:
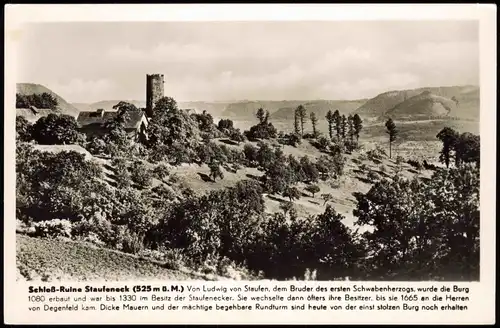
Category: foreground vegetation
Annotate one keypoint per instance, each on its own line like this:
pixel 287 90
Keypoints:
pixel 418 227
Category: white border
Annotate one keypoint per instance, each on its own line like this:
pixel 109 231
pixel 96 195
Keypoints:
pixel 16 15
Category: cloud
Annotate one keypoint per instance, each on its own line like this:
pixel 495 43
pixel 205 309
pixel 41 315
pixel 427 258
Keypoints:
pixel 78 90
pixel 250 60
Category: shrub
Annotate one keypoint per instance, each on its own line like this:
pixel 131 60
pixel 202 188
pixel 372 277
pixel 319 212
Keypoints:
pixel 23 129
pixel 161 172
pixel 52 228
pixel 437 241
pixel 132 243
pixel 225 124
pixel 261 131
pixel 56 129
pixel 98 230
pixel 416 164
pixel 96 146
pixel 237 136
pixel 372 176
pixel 250 152
pixel 141 174
pixel 292 139
pixel 313 189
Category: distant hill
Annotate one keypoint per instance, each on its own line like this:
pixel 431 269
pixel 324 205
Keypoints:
pixel 107 105
pixel 319 107
pixel 246 109
pixel 423 106
pixel 32 88
pixel 467 96
pixel 284 109
pixel 214 108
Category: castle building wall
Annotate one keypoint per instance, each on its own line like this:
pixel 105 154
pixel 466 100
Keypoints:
pixel 154 91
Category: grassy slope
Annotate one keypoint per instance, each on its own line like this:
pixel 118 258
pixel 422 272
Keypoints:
pixel 74 260
pixel 39 259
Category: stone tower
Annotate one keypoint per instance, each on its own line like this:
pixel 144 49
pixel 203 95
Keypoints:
pixel 154 91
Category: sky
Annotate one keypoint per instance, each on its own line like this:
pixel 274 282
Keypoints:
pixel 229 61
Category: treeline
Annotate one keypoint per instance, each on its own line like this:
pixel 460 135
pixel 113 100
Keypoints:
pixel 44 100
pixel 420 230
pixel 462 148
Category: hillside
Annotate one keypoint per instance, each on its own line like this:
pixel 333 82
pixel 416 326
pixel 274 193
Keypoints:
pixel 32 88
pixel 52 259
pixel 422 106
pixel 320 108
pixel 467 96
pixel 283 110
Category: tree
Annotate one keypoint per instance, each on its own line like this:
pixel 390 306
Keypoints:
pixel 314 122
pixel 313 189
pixel 301 112
pixel 392 132
pixel 422 230
pixel 261 115
pixel 343 127
pixel 286 207
pixel 337 119
pixel 467 149
pixel 292 193
pixel 225 124
pixel 172 133
pixel 330 119
pixel 327 198
pixel 205 121
pixel 237 136
pixel 331 165
pixel 261 131
pixel 294 139
pixel 23 129
pixel 278 176
pixel 163 106
pixel 358 126
pixel 449 138
pixel 250 152
pixel 335 251
pixel 350 128
pixel 44 100
pixel 215 170
pixel 55 129
pixel 297 122
pixel 309 170
pixel 141 174
pixel 265 155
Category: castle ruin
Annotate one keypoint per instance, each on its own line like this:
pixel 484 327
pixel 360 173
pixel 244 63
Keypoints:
pixel 154 91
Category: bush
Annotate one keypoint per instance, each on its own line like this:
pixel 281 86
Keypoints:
pixel 438 241
pixel 96 146
pixel 261 131
pixel 52 228
pixel 141 175
pixel 23 129
pixel 132 243
pixel 372 176
pixel 161 172
pixel 416 164
pixel 56 129
pixel 313 189
pixel 292 139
